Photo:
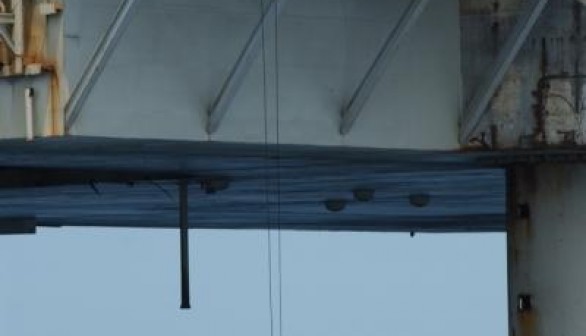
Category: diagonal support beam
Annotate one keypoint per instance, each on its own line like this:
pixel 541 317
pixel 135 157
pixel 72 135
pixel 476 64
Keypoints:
pixel 477 109
pixel 241 68
pixel 5 36
pixel 377 68
pixel 98 61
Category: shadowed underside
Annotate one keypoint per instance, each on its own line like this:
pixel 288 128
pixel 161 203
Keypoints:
pixel 133 183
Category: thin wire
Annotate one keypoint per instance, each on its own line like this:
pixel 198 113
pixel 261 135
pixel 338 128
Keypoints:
pixel 278 131
pixel 267 182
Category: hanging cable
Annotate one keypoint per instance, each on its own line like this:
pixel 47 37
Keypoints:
pixel 278 164
pixel 267 177
pixel 273 188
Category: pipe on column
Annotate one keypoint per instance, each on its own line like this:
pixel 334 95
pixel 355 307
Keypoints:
pixel 29 93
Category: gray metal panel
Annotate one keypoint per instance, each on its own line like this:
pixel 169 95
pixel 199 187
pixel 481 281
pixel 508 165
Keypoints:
pixel 99 60
pixel 158 85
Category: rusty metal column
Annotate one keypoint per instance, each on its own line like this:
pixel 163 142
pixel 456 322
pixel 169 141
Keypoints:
pixel 547 250
pixel 184 242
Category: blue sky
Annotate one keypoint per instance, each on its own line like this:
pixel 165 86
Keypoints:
pixel 91 282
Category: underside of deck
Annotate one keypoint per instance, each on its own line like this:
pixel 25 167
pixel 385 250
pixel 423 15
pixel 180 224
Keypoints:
pixel 104 182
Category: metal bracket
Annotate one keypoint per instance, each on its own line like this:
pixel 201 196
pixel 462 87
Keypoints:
pixel 376 70
pixel 5 35
pixel 99 59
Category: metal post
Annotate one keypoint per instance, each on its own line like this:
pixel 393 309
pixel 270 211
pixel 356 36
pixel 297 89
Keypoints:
pixel 29 94
pixel 546 245
pixel 18 36
pixel 184 242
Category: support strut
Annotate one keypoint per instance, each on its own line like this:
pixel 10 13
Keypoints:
pixel 184 242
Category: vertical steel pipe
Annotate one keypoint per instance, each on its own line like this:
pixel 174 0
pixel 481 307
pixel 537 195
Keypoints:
pixel 184 243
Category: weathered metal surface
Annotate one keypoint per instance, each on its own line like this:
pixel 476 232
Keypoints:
pixel 540 102
pixel 546 242
pixel 476 110
pixel 31 55
pixel 531 108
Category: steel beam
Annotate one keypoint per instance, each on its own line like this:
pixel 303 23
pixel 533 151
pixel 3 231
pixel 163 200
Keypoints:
pixel 546 237
pixel 377 68
pixel 18 226
pixel 17 7
pixel 98 61
pixel 240 69
pixel 5 36
pixel 184 243
pixel 476 110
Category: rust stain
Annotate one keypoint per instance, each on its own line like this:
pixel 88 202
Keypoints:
pixel 4 58
pixel 519 233
pixel 36 60
pixel 36 26
pixel 4 53
pixel 527 323
pixel 540 94
pixel 56 112
pixel 58 128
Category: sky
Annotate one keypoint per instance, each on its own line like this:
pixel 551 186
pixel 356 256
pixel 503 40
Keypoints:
pixel 97 282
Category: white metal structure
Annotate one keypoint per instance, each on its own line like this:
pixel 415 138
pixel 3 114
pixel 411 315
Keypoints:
pixel 204 65
pixel 506 77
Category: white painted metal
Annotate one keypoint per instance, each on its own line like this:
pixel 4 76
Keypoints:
pixel 376 70
pixel 28 107
pixel 175 56
pixel 546 251
pixel 99 60
pixel 18 35
pixel 494 76
pixel 163 77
